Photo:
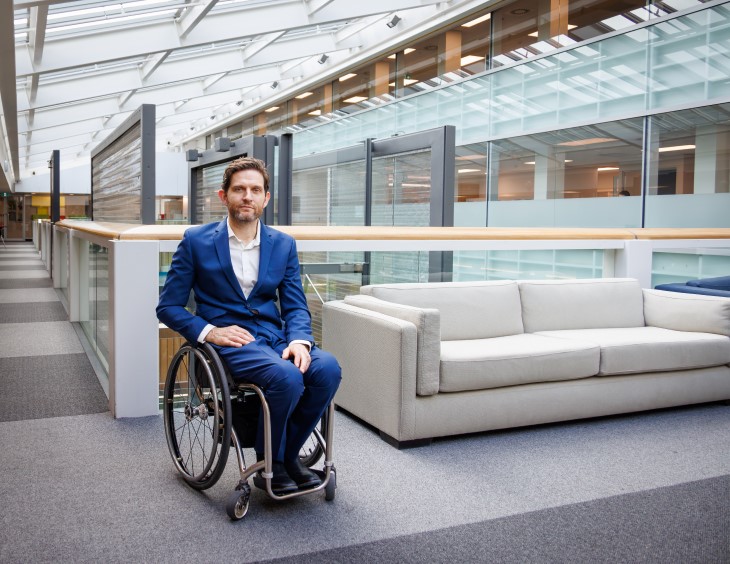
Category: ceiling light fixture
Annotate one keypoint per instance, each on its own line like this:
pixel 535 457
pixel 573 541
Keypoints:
pixel 348 76
pixel 590 141
pixel 677 148
pixel 469 59
pixel 479 20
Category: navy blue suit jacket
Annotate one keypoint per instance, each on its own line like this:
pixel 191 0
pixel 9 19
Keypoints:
pixel 202 263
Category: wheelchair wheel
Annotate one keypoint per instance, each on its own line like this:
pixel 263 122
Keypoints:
pixel 196 408
pixel 312 450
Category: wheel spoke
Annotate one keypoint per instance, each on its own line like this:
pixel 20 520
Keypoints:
pixel 194 415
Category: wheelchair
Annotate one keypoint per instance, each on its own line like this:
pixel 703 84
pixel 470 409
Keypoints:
pixel 206 413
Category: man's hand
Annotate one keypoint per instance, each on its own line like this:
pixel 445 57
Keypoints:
pixel 299 354
pixel 233 336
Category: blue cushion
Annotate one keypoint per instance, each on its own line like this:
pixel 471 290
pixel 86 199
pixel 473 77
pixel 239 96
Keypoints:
pixel 687 289
pixel 718 283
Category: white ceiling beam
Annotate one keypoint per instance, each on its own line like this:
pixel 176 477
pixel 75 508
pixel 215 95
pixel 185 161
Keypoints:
pixel 124 97
pixel 346 9
pixel 353 29
pixel 193 16
pixel 152 63
pixel 316 5
pixel 211 80
pixel 54 117
pixel 82 50
pixel 171 114
pixel 65 143
pixel 27 4
pixel 33 88
pixel 82 88
pixel 261 43
pixel 37 35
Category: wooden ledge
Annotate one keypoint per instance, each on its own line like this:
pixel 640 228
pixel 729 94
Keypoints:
pixel 132 232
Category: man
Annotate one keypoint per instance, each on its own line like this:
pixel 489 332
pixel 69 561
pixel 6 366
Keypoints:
pixel 238 269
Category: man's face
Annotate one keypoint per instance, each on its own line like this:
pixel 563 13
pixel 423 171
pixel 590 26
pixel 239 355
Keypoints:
pixel 246 197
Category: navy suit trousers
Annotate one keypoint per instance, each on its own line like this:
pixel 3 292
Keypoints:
pixel 296 401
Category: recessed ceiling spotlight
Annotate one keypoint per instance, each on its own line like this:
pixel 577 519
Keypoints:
pixel 519 11
pixel 393 21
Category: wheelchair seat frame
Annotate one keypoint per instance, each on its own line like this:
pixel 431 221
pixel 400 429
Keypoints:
pixel 197 409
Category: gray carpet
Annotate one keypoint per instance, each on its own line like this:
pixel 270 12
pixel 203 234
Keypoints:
pixel 35 283
pixel 32 312
pixel 91 488
pixel 43 369
pixel 49 386
pixel 28 295
pixel 38 339
pixel 28 266
pixel 685 523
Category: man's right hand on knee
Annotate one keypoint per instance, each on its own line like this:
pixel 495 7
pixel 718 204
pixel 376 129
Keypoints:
pixel 232 336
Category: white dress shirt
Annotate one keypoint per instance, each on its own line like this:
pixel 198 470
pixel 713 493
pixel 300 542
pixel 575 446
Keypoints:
pixel 245 262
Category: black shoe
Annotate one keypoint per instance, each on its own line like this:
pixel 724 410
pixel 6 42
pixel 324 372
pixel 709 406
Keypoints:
pixel 281 483
pixel 302 475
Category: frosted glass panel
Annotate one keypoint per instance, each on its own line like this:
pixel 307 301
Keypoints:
pixel 579 212
pixel 402 189
pixel 681 265
pixel 117 179
pixel 332 195
pixel 685 210
pixel 208 206
pixel 525 265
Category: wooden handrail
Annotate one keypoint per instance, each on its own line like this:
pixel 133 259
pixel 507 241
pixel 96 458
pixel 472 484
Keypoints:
pixel 131 232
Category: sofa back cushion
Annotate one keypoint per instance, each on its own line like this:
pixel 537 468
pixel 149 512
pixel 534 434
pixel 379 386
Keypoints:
pixel 469 310
pixel 551 305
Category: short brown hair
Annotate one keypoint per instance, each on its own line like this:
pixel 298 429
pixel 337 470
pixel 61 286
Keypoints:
pixel 245 163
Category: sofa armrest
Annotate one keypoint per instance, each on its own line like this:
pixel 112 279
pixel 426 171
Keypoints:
pixel 687 312
pixel 378 358
pixel 428 327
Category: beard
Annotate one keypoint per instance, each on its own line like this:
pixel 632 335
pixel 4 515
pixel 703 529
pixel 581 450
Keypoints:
pixel 245 215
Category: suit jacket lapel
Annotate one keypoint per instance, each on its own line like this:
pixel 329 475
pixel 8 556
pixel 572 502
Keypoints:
pixel 264 256
pixel 223 249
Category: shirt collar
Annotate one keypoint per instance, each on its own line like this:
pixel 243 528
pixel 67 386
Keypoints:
pixel 256 240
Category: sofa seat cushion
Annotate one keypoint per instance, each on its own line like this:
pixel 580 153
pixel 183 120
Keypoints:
pixel 478 364
pixel 632 350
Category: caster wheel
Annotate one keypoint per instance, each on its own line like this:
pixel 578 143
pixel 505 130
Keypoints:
pixel 329 489
pixel 238 501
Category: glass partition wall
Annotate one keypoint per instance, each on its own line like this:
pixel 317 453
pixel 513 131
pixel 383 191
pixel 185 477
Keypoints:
pixel 567 113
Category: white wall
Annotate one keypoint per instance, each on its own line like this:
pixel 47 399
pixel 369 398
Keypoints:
pixel 171 178
pixel 74 180
pixel 171 174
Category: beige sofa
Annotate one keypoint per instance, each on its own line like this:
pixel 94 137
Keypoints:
pixel 436 359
